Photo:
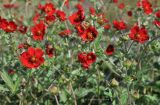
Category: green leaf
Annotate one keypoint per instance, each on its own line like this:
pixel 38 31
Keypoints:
pixel 83 92
pixel 7 80
pixel 3 89
pixel 63 96
pixel 124 97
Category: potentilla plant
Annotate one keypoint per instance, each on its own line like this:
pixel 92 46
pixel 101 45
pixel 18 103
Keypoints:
pixel 80 52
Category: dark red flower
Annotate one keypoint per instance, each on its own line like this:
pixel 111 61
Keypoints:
pixel 32 58
pixel 110 50
pixel 77 17
pixel 22 29
pixel 8 26
pixel 138 34
pixel 61 15
pixel 11 71
pixel 119 25
pixel 89 34
pixel 129 13
pixel 86 59
pixel 157 14
pixel 49 19
pixel 38 31
pixel 50 51
pixel 66 32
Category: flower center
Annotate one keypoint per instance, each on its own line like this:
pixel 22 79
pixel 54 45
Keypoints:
pixel 33 59
pixel 137 36
pixel 90 35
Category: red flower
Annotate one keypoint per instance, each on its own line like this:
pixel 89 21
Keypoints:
pixel 92 10
pixel 61 15
pixel 107 27
pixel 157 14
pixel 119 25
pixel 86 59
pixel 38 31
pixel 110 50
pixel 121 6
pixel 65 33
pixel 32 58
pixel 22 29
pixel 77 17
pixel 8 26
pixel 49 9
pixel 11 71
pixel 138 34
pixel 50 19
pixel 146 5
pixel 9 6
pixel 115 1
pixel 50 50
pixel 89 34
pixel 157 23
pixel 129 13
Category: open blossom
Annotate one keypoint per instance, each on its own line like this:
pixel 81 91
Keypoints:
pixel 139 34
pixel 38 31
pixel 48 8
pixel 89 34
pixel 109 50
pixel 32 58
pixel 77 17
pixel 146 5
pixel 49 19
pixel 8 26
pixel 119 25
pixel 86 59
pixel 61 15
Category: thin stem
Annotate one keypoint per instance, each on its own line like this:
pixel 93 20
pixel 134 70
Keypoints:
pixel 56 99
pixel 130 46
pixel 75 102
